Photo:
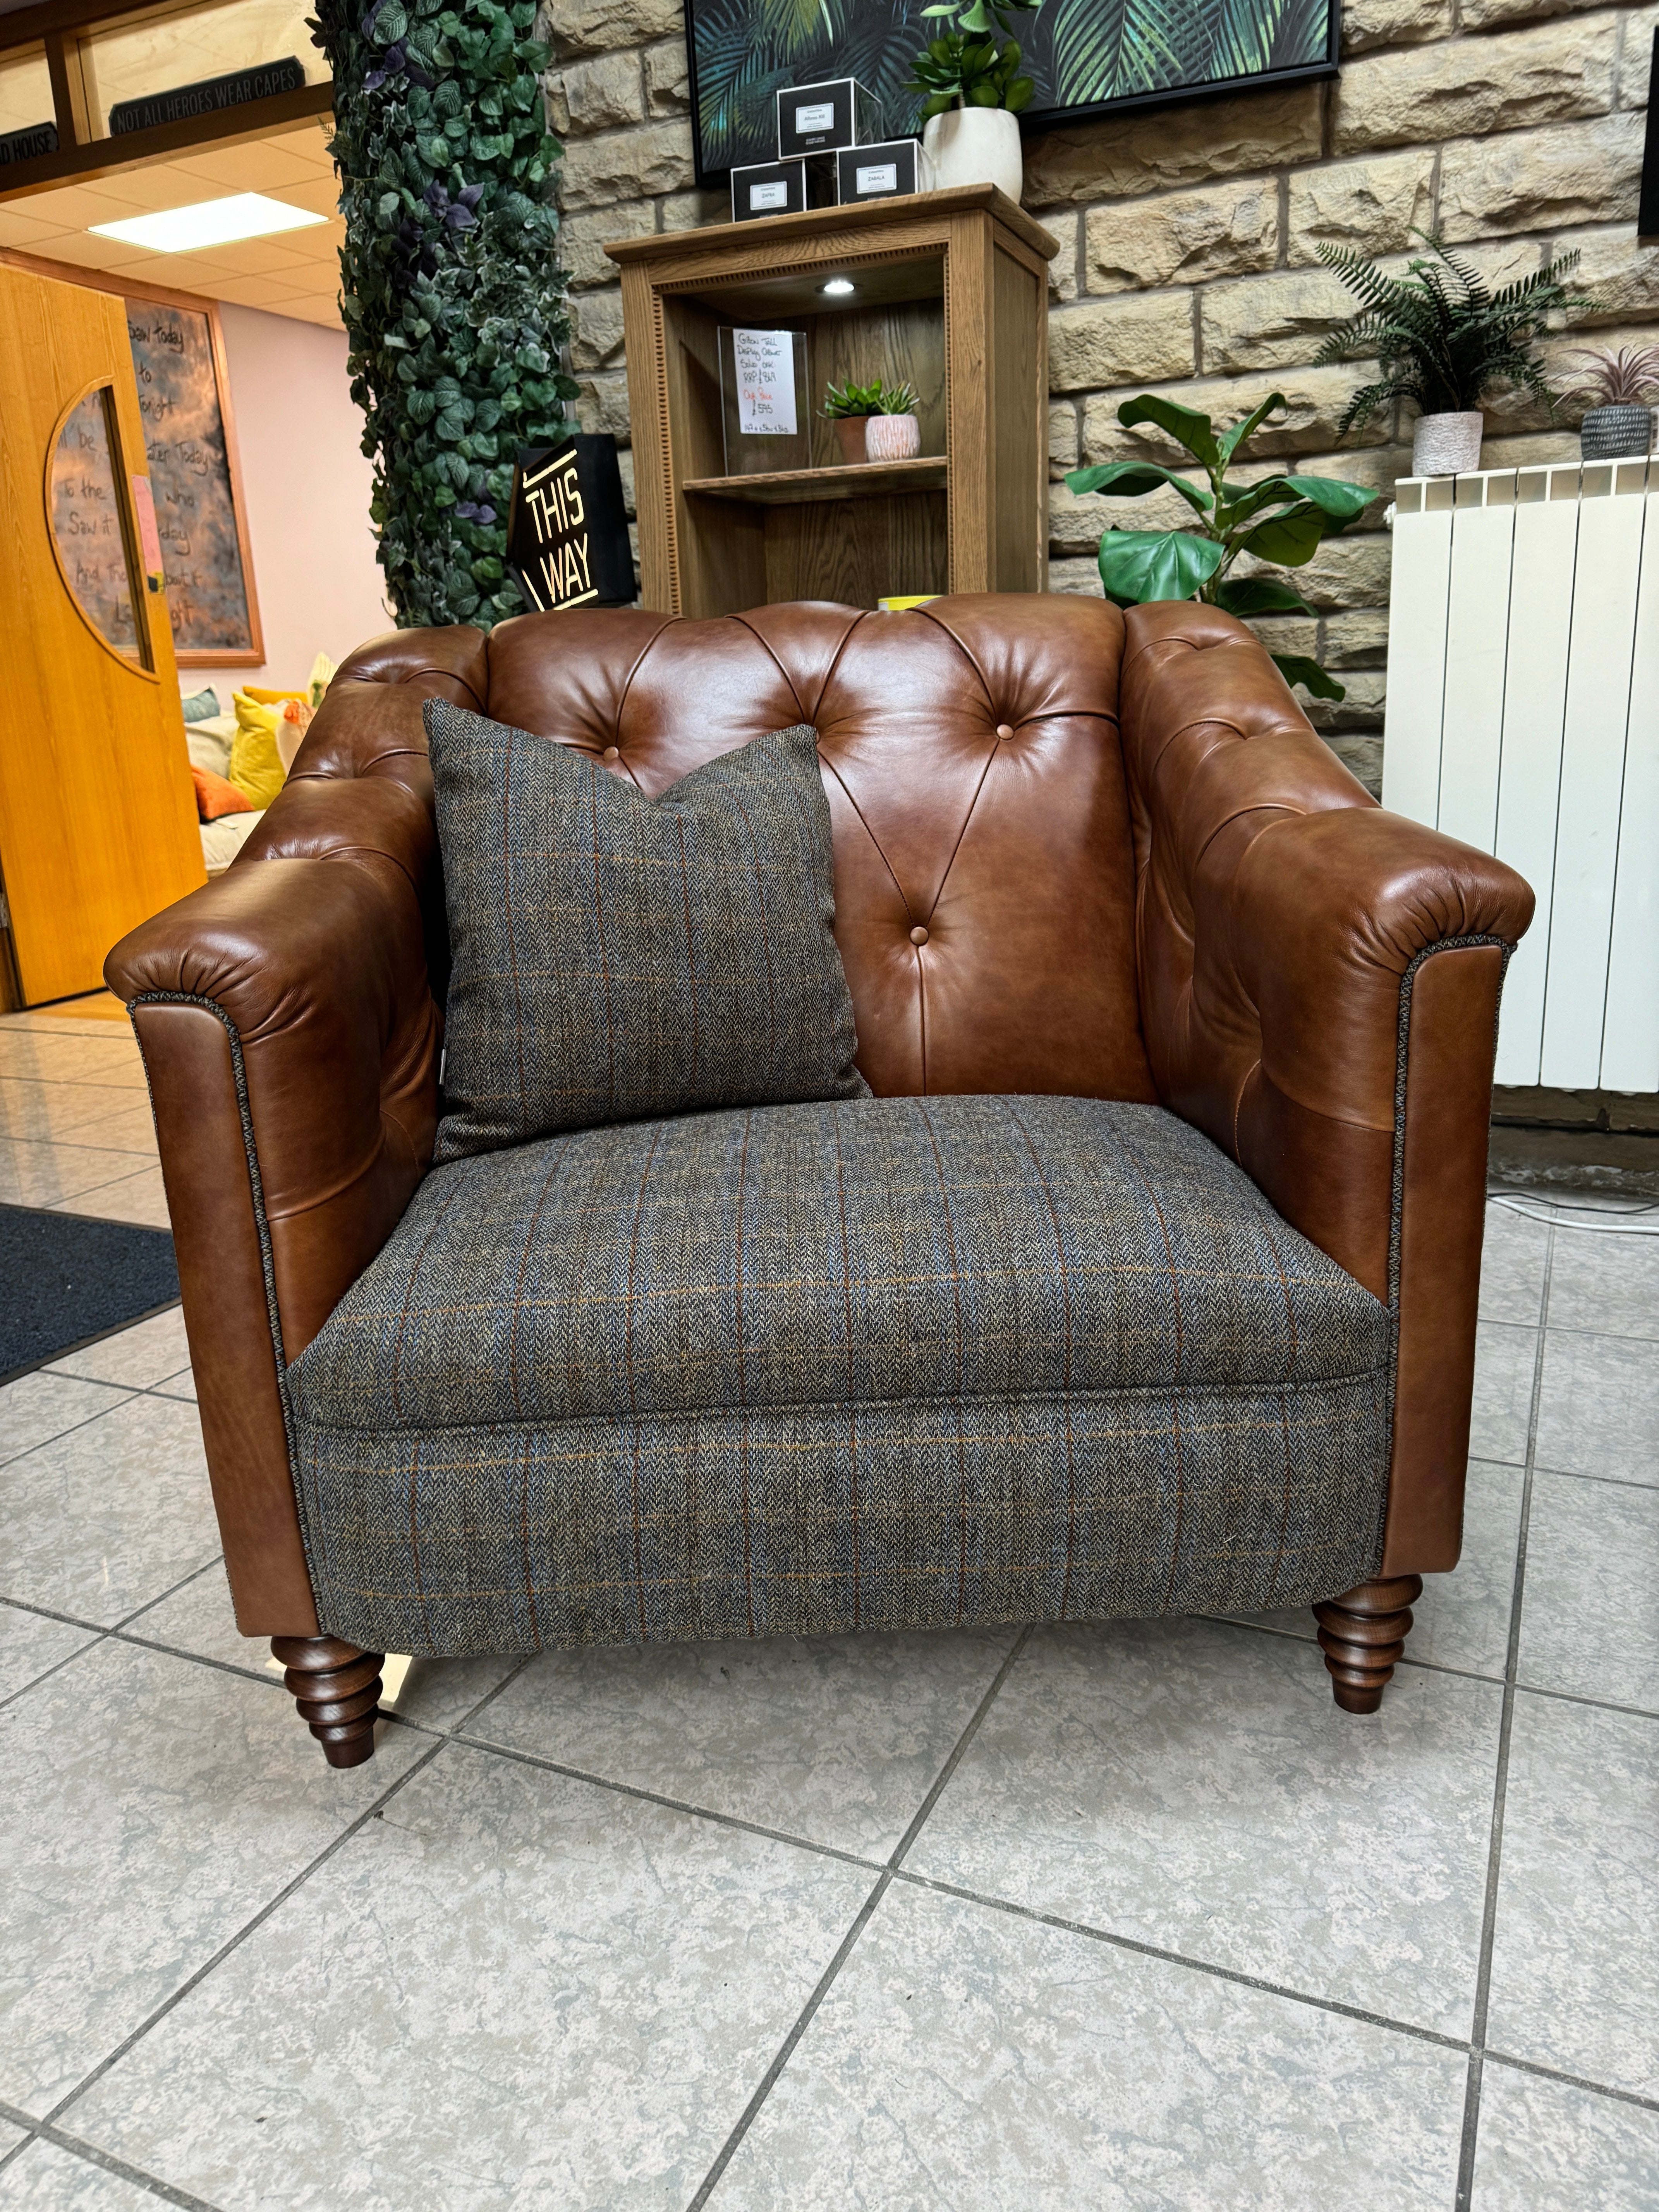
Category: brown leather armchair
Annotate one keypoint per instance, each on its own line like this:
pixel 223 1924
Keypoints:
pixel 1077 852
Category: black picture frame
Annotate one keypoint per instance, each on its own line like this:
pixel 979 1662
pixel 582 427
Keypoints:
pixel 1647 213
pixel 875 39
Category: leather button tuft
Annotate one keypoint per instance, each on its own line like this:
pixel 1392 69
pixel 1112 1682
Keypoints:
pixel 1004 729
pixel 611 752
pixel 918 935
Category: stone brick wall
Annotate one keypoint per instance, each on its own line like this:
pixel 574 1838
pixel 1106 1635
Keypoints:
pixel 1187 265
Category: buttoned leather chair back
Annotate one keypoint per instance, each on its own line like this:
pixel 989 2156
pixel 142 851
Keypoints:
pixel 984 866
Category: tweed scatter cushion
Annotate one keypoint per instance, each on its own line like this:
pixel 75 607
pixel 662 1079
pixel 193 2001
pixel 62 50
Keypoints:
pixel 617 956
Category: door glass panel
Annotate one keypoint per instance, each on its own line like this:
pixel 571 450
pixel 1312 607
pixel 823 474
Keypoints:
pixel 86 517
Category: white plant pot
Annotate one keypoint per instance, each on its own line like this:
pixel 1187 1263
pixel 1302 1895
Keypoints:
pixel 891 438
pixel 1447 445
pixel 975 146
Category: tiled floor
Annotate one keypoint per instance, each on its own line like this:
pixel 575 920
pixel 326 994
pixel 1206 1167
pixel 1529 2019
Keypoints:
pixel 1125 1917
pixel 75 1134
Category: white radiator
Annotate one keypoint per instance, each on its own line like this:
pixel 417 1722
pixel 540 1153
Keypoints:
pixel 1523 717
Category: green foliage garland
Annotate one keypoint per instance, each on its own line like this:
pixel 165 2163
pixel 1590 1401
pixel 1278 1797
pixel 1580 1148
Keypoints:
pixel 451 298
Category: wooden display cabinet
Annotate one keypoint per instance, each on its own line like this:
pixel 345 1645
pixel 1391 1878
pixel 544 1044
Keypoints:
pixel 951 293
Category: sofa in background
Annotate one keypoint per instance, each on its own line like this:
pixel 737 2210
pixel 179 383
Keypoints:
pixel 1182 1052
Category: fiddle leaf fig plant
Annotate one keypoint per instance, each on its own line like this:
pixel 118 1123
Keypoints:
pixel 1283 519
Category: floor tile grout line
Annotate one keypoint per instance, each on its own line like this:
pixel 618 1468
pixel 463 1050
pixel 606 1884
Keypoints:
pixel 988 1902
pixel 113 1627
pixel 1572 2080
pixel 488 1699
pixel 43 2131
pixel 130 1390
pixel 959 1749
pixel 1471 2128
pixel 1609 1481
pixel 1439 1667
pixel 43 1442
pixel 69 1203
pixel 99 1635
pixel 1561 1329
pixel 1212 1967
pixel 261 1674
pixel 162 1596
pixel 235 1942
pixel 794 1841
pixel 648 1796
pixel 861 1920
pixel 993 1903
pixel 750 2112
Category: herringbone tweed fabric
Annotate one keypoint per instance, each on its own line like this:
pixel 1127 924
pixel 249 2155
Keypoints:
pixel 900 1362
pixel 616 956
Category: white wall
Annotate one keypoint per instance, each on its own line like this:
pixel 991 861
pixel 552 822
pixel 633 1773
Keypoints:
pixel 307 484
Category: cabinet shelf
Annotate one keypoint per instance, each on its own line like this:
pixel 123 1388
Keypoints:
pixel 946 291
pixel 851 480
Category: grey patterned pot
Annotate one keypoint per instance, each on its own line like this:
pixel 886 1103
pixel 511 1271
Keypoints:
pixel 1447 445
pixel 1616 434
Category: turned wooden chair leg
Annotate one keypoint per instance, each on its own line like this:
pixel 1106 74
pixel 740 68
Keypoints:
pixel 1363 1635
pixel 338 1690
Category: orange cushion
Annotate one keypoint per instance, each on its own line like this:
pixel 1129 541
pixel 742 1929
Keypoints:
pixel 215 796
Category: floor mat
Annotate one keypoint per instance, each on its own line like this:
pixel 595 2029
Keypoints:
pixel 65 1279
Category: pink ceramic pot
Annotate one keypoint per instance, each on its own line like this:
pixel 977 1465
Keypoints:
pixel 892 437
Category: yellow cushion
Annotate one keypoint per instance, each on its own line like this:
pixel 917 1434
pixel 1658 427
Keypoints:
pixel 256 766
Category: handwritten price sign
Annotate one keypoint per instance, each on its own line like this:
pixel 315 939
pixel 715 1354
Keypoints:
pixel 765 365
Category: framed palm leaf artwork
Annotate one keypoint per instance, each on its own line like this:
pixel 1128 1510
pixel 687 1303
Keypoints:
pixel 1086 57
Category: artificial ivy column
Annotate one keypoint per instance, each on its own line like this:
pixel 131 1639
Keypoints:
pixel 452 299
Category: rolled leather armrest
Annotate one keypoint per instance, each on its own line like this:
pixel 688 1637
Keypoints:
pixel 290 1040
pixel 1319 988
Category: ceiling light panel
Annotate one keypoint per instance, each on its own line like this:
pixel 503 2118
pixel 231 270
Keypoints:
pixel 209 222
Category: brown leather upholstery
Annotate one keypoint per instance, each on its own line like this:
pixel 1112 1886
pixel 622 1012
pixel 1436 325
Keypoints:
pixel 1207 910
pixel 1280 911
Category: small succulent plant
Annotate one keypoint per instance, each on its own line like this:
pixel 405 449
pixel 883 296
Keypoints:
pixel 1629 378
pixel 842 401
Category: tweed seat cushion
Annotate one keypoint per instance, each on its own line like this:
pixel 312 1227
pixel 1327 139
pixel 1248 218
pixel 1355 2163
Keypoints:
pixel 883 1362
pixel 617 956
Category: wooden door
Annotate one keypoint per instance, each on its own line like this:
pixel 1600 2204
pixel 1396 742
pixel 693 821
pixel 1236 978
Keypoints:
pixel 98 825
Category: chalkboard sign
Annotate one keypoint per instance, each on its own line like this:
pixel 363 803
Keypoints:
pixel 178 357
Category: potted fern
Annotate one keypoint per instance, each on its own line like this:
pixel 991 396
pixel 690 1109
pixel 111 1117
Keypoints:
pixel 972 91
pixel 1283 520
pixel 1616 392
pixel 1443 338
